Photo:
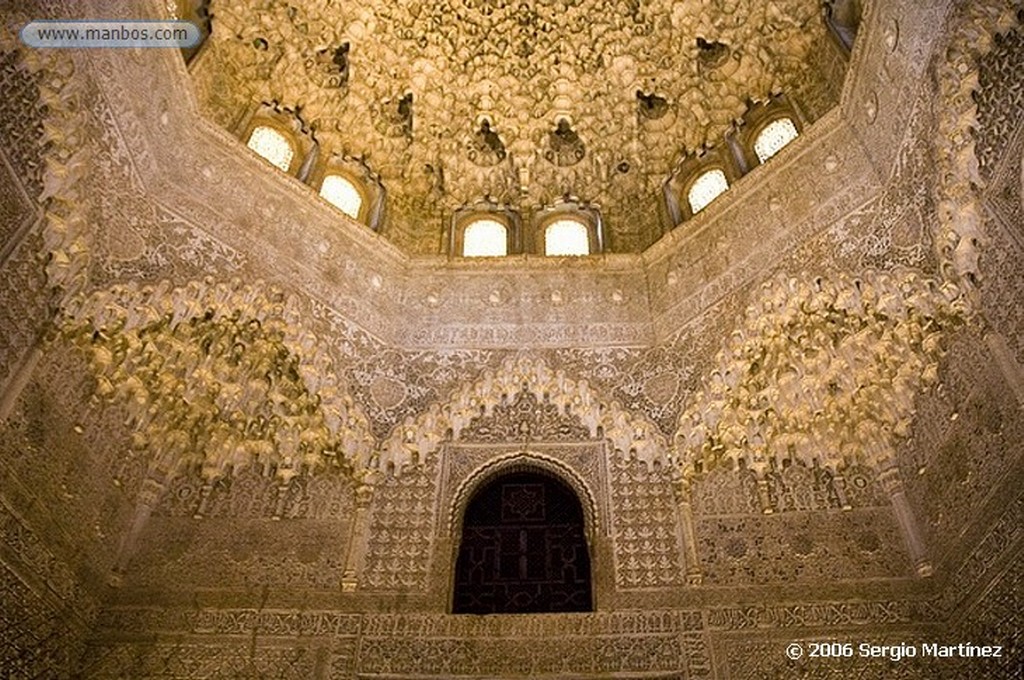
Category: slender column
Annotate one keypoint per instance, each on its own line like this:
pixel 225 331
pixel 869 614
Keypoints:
pixel 377 209
pixel 16 383
pixel 309 162
pixel 359 539
pixel 892 482
pixel 1012 371
pixel 839 484
pixel 763 495
pixel 602 569
pixel 204 500
pixel 737 152
pixel 282 498
pixel 150 494
pixel 694 577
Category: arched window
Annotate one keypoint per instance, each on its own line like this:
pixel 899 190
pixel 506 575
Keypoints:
pixel 706 188
pixel 523 549
pixel 343 194
pixel 566 237
pixel 349 184
pixel 485 238
pixel 699 178
pixel 773 137
pixel 272 145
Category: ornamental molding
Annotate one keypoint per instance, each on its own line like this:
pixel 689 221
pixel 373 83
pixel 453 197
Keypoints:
pixel 70 248
pixel 119 622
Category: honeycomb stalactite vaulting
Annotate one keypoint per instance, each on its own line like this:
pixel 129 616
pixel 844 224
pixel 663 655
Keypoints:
pixel 519 102
pixel 219 377
pixel 822 372
pixel 790 481
pixel 68 152
pixel 961 238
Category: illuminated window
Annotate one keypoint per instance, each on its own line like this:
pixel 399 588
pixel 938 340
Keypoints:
pixel 485 238
pixel 705 189
pixel 566 237
pixel 272 145
pixel 341 193
pixel 773 137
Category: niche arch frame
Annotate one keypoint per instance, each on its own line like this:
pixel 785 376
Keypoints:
pixel 522 461
pixel 596 520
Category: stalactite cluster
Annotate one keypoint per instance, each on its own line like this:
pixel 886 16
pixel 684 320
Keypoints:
pixel 822 371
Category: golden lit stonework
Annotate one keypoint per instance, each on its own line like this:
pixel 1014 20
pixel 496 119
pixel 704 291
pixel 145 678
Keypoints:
pixel 758 414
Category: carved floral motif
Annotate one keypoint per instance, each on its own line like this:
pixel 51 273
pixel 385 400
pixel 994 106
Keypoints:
pixel 905 317
pixel 632 436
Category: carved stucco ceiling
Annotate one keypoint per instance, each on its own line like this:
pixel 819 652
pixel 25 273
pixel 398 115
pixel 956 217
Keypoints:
pixel 637 84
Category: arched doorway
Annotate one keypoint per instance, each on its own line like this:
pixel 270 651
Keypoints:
pixel 523 549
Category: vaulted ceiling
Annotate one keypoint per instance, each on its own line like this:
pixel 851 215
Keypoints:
pixel 518 103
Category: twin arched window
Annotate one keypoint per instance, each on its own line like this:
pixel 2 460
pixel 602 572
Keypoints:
pixel 559 231
pixel 340 192
pixel 704 176
pixel 273 146
pixel 485 238
pixel 345 183
pixel 566 236
pixel 710 184
pixel 490 238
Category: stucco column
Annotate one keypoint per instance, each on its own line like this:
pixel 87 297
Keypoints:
pixel 763 496
pixel 839 484
pixel 283 489
pixel 892 482
pixel 694 577
pixel 150 494
pixel 360 536
pixel 1012 371
pixel 16 383
pixel 204 500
